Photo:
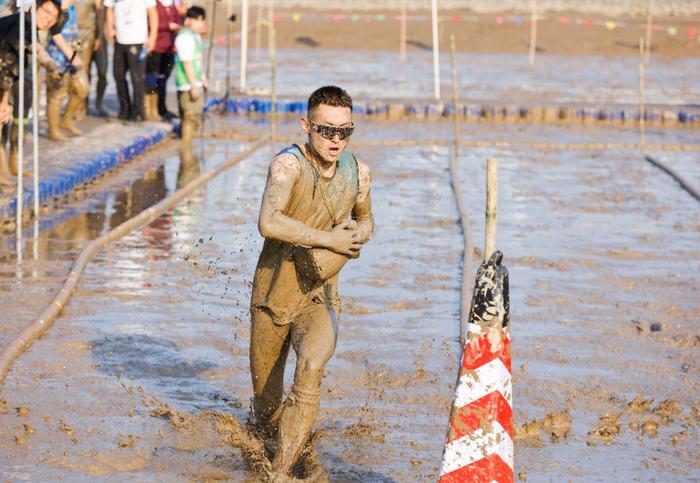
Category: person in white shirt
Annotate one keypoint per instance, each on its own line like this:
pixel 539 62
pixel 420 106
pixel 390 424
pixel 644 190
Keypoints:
pixel 133 26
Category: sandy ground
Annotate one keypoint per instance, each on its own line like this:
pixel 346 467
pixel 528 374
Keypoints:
pixel 484 36
pixel 603 322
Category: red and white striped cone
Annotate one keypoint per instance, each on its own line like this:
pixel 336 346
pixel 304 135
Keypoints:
pixel 479 444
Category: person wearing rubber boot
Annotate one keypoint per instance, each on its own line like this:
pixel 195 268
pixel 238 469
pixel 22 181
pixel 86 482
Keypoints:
pixel 10 131
pixel 48 13
pixel 315 215
pixel 71 82
pixel 133 25
pixel 89 33
pixel 189 75
pixel 160 62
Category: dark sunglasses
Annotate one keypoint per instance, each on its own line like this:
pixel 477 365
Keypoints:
pixel 329 132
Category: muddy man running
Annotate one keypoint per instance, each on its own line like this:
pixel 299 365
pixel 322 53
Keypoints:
pixel 315 215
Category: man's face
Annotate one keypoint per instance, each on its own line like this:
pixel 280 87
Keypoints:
pixel 46 16
pixel 329 150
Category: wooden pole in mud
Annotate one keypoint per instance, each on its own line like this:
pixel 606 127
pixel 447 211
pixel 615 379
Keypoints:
pixel 455 90
pixel 35 131
pixel 258 30
pixel 19 109
pixel 465 292
pixel 270 26
pixel 244 45
pixel 402 42
pixel 642 109
pixel 647 41
pixel 273 82
pixel 491 207
pixel 436 50
pixel 533 32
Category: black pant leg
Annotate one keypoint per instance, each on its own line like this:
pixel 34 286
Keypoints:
pixel 137 69
pixel 119 68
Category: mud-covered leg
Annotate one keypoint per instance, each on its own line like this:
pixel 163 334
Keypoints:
pixel 314 336
pixel 269 347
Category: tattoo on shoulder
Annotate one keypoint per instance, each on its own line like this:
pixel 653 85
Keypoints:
pixel 284 167
pixel 365 181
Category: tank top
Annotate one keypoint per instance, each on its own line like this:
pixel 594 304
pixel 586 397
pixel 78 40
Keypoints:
pixel 279 285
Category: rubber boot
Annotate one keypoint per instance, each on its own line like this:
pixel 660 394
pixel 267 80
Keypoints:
pixel 5 175
pixel 74 105
pixel 14 150
pixel 53 116
pixel 150 108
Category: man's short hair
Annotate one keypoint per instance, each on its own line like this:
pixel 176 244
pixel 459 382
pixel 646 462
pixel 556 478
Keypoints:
pixel 331 96
pixel 196 12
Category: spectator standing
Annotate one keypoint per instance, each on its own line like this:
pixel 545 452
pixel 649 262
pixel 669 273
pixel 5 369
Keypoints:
pixel 47 14
pixel 133 25
pixel 189 76
pixel 71 81
pixel 159 63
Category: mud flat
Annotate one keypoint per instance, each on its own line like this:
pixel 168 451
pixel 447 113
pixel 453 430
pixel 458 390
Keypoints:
pixel 605 376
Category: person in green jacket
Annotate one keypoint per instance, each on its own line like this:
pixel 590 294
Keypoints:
pixel 189 75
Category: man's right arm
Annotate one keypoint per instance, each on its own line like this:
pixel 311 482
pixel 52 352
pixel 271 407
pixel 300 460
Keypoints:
pixel 273 223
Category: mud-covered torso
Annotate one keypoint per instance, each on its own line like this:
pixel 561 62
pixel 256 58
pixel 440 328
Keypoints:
pixel 318 202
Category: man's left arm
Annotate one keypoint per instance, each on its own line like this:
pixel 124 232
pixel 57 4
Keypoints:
pixel 362 211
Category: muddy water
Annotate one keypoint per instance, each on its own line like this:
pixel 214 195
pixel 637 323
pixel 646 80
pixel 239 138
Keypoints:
pixel 600 247
pixel 482 77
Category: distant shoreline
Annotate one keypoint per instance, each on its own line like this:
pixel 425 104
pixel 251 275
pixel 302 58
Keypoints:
pixel 610 8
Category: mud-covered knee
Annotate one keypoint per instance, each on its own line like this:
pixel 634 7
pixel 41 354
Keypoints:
pixel 313 366
pixel 79 86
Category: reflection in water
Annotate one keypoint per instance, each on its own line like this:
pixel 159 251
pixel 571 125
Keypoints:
pixel 68 229
pixel 189 166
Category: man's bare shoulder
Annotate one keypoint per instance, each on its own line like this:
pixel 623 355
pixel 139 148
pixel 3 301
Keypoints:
pixel 284 167
pixel 365 180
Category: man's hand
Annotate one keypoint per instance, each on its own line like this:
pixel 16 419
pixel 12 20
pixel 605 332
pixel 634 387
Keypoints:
pixel 174 27
pixel 98 45
pixel 345 239
pixel 150 44
pixel 54 75
pixel 77 61
pixel 195 93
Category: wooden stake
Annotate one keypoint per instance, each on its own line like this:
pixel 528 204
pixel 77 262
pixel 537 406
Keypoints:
pixel 270 27
pixel 402 41
pixel 19 109
pixel 491 207
pixel 642 109
pixel 647 41
pixel 436 50
pixel 258 30
pixel 533 32
pixel 35 131
pixel 455 90
pixel 244 45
